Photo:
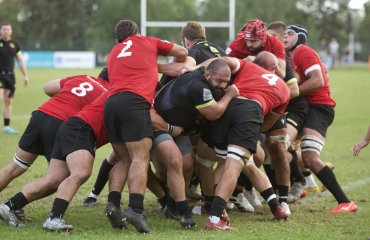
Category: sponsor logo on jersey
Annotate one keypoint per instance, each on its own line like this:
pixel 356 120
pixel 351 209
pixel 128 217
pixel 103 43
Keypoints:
pixel 207 94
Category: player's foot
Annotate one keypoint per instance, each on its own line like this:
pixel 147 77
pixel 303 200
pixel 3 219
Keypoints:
pixel 89 202
pixel 193 194
pixel 221 225
pixel 56 224
pixel 9 217
pixel 345 207
pixel 187 221
pixel 242 203
pixel 280 213
pixel 286 208
pixel 199 210
pixel 168 212
pixel 253 198
pixel 9 130
pixel 21 215
pixel 229 205
pixel 297 191
pixel 115 216
pixel 315 189
pixel 137 220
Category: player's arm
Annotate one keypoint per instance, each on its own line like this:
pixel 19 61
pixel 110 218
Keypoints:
pixel 269 121
pixel 175 69
pixel 160 124
pixel 22 68
pixel 314 81
pixel 179 53
pixel 213 110
pixel 281 68
pixel 53 87
pixel 293 87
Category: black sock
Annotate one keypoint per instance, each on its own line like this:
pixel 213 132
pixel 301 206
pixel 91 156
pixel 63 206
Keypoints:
pixel 164 187
pixel 245 182
pixel 18 201
pixel 6 122
pixel 218 206
pixel 103 176
pixel 236 192
pixel 136 202
pixel 283 193
pixel 327 177
pixel 295 173
pixel 208 201
pixel 59 208
pixel 271 201
pixel 270 174
pixel 182 207
pixel 306 173
pixel 163 201
pixel 115 198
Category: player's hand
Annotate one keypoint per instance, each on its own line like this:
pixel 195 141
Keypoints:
pixel 177 131
pixel 26 81
pixel 232 90
pixel 357 148
pixel 249 58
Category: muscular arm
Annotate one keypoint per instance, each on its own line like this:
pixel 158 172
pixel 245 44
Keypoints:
pixel 160 124
pixel 293 88
pixel 174 69
pixel 314 81
pixel 53 87
pixel 280 71
pixel 180 53
pixel 22 68
pixel 216 109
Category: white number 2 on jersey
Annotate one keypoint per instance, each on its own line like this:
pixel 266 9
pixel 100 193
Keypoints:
pixel 271 78
pixel 82 89
pixel 124 52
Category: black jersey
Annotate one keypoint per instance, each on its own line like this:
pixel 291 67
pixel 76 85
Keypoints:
pixel 8 50
pixel 200 52
pixel 179 100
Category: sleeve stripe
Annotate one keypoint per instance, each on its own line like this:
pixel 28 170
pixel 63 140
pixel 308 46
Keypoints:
pixel 205 104
pixel 312 68
pixel 290 81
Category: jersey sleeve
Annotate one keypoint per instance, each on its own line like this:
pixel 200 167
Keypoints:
pixel 164 47
pixel 309 61
pixel 64 80
pixel 200 94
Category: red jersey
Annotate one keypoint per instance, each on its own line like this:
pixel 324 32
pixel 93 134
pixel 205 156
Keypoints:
pixel 75 93
pixel 93 114
pixel 238 48
pixel 259 84
pixel 305 60
pixel 132 65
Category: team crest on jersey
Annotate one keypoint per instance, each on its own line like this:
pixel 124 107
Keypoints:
pixel 12 45
pixel 207 94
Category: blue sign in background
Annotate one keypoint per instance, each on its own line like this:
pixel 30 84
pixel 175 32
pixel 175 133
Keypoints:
pixel 38 59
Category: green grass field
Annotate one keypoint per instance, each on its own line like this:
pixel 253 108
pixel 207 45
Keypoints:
pixel 309 220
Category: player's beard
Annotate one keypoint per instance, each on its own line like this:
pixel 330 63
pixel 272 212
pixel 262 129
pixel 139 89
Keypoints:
pixel 255 50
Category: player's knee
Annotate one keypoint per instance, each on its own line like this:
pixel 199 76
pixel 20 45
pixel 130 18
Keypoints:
pixel 245 158
pixel 280 141
pixel 24 165
pixel 311 143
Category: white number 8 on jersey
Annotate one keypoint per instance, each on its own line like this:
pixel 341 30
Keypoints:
pixel 82 89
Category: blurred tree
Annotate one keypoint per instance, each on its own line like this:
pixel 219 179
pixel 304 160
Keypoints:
pixel 363 35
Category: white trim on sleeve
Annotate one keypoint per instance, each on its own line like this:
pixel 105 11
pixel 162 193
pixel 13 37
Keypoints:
pixel 312 68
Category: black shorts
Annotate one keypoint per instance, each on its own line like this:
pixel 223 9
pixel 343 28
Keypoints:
pixel 39 136
pixel 7 81
pixel 296 113
pixel 74 134
pixel 127 117
pixel 182 141
pixel 206 132
pixel 320 117
pixel 279 124
pixel 240 125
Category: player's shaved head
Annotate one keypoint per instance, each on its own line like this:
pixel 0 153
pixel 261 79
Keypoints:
pixel 124 29
pixel 219 65
pixel 266 60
